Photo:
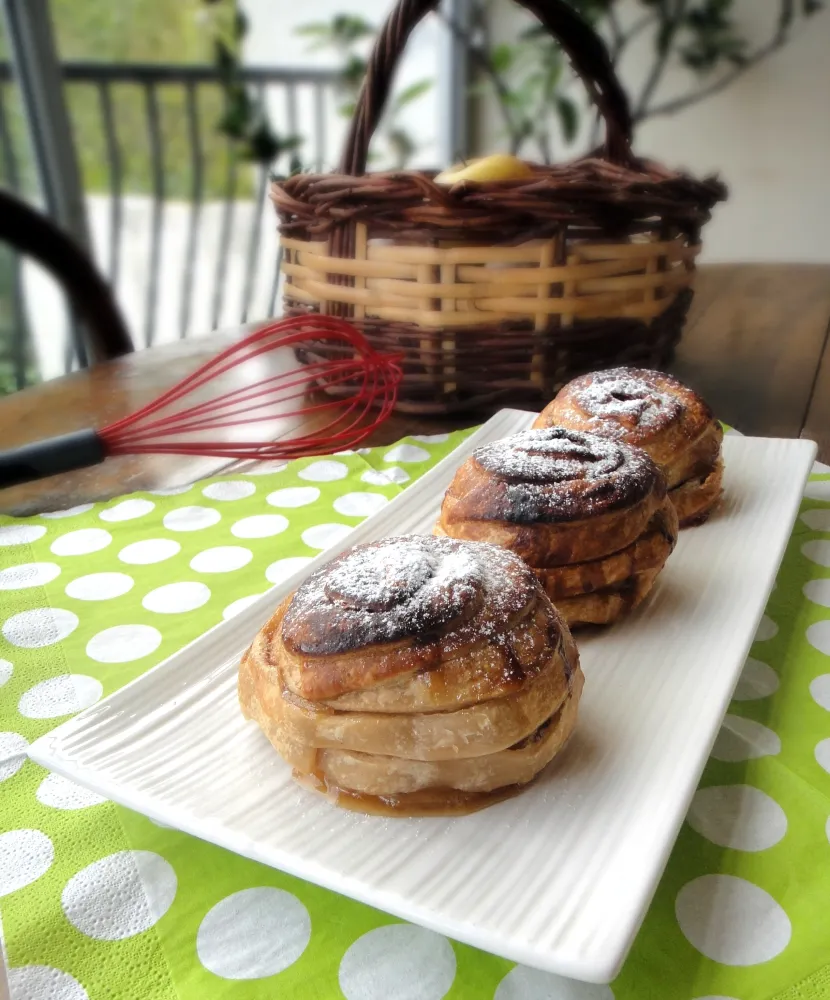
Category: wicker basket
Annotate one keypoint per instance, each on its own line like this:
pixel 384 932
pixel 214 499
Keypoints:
pixel 502 290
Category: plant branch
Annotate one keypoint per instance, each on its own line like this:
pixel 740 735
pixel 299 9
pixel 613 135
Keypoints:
pixel 618 37
pixel 667 31
pixel 778 40
pixel 639 26
pixel 679 103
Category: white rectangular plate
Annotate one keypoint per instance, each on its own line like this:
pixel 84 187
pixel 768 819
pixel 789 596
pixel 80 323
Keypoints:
pixel 558 877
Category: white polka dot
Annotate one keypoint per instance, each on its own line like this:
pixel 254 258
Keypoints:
pixel 58 792
pixel 191 518
pixel 818 490
pixel 406 453
pixel 149 550
pixel 24 856
pixel 42 982
pixel 283 568
pixel 237 489
pixel 818 635
pixel 293 496
pixel 431 438
pixel 81 542
pixel 266 468
pixel 81 508
pixel 119 896
pixel 13 748
pixel 176 598
pixel 818 591
pixel 26 575
pixel 360 504
pixel 128 510
pixel 744 739
pixel 817 552
pixel 384 477
pixel 737 816
pixel 123 643
pixel 65 694
pixel 325 471
pixel 39 627
pixel 822 753
pixel 253 934
pixel 222 559
pixel 236 607
pixel 399 960
pixel 260 526
pixel 523 983
pixel 21 534
pixel 6 670
pixel 757 680
pixel 818 520
pixel 731 921
pixel 99 586
pixel 767 629
pixel 820 690
pixel 172 491
pixel 321 536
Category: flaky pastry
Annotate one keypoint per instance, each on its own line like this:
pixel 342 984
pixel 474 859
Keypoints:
pixel 415 675
pixel 659 414
pixel 589 515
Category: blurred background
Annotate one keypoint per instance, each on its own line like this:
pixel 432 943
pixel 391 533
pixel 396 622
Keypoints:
pixel 150 129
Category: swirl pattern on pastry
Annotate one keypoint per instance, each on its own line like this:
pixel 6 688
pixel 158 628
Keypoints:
pixel 555 475
pixel 589 514
pixel 657 413
pixel 634 405
pixel 398 588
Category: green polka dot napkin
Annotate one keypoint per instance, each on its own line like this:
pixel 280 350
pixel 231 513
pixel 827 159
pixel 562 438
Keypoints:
pixel 100 903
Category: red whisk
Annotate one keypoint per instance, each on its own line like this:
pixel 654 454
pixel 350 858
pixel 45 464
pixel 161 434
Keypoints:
pixel 350 396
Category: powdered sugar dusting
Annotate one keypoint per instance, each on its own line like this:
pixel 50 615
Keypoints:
pixel 555 474
pixel 411 585
pixel 551 455
pixel 622 400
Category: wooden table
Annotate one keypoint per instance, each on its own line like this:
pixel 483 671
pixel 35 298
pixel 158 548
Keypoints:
pixel 756 346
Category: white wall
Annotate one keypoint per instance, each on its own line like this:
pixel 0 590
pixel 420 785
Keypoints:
pixel 768 135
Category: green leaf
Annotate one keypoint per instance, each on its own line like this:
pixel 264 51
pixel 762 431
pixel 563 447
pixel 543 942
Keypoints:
pixel 240 25
pixel 317 29
pixel 568 117
pixel 402 147
pixel 346 29
pixel 502 57
pixel 411 93
pixel 353 72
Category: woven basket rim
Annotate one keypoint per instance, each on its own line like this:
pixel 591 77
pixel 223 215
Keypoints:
pixel 589 169
pixel 585 188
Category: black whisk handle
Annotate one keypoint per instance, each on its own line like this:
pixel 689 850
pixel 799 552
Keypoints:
pixel 47 458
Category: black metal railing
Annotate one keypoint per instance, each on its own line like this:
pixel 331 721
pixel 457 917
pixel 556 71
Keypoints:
pixel 152 130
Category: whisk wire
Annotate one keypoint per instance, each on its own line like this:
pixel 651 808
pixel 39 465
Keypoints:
pixel 372 378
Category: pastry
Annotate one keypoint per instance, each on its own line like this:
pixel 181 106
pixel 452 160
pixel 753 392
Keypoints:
pixel 657 413
pixel 589 515
pixel 415 675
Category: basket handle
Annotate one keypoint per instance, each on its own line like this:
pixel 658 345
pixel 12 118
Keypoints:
pixel 584 47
